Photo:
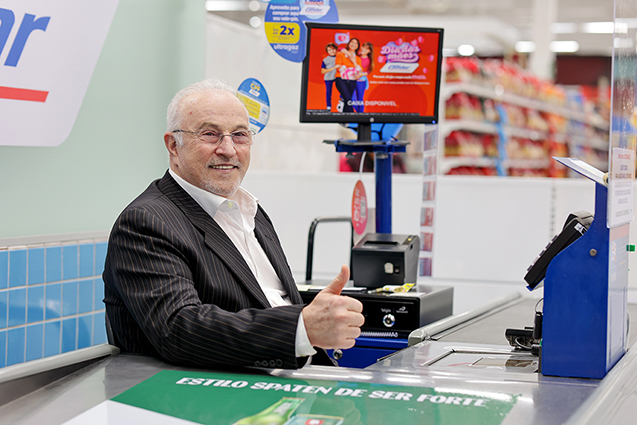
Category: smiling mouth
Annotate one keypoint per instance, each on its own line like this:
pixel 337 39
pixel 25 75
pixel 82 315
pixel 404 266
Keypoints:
pixel 223 167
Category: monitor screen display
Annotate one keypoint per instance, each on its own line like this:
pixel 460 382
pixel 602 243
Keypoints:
pixel 371 74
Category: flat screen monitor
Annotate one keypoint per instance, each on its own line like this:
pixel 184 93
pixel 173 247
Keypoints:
pixel 371 74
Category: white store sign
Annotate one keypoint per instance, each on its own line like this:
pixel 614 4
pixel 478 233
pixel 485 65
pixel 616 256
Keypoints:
pixel 48 50
pixel 622 177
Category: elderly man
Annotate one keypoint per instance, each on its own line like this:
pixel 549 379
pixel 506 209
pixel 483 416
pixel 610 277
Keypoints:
pixel 195 273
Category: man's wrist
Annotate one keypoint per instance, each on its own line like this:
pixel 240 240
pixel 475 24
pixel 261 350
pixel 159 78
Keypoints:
pixel 302 344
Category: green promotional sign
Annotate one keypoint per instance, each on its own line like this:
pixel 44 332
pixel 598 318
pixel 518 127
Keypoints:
pixel 233 399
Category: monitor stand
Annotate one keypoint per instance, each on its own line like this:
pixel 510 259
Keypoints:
pixel 382 150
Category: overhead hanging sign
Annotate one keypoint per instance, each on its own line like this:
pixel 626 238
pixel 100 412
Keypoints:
pixel 48 50
pixel 285 28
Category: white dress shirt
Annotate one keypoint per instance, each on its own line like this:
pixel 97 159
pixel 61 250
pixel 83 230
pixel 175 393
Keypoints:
pixel 236 217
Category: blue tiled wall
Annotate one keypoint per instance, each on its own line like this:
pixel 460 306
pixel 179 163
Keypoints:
pixel 50 299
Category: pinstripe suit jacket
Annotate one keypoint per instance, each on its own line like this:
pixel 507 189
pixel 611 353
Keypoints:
pixel 177 288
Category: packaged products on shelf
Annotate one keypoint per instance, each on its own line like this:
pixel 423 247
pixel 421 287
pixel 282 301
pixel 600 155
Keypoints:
pixel 473 171
pixel 499 119
pixel 468 144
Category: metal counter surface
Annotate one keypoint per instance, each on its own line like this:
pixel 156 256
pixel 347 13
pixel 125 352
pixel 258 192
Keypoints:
pixel 550 401
pixel 540 400
pixel 76 393
pixel 475 357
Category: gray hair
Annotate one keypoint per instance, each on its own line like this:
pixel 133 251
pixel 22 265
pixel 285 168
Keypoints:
pixel 174 114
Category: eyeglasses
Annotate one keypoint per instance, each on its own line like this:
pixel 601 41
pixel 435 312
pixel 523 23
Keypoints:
pixel 239 137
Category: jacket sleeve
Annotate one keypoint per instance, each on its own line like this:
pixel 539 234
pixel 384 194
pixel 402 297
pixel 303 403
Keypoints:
pixel 169 296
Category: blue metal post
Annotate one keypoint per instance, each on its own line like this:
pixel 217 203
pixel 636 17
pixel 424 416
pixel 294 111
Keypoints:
pixel 383 168
pixel 383 150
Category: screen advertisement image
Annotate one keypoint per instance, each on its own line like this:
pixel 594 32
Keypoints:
pixel 365 74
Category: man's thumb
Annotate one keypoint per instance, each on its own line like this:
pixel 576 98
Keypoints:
pixel 336 286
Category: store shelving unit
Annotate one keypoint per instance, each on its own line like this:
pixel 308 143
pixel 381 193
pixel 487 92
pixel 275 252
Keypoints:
pixel 487 129
pixel 497 120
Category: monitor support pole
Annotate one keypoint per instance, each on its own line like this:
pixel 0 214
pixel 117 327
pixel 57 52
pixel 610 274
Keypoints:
pixel 383 171
pixel 383 151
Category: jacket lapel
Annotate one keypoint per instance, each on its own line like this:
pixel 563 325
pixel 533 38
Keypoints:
pixel 215 238
pixel 264 231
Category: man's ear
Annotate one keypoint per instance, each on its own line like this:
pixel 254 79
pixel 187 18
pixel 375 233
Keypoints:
pixel 171 143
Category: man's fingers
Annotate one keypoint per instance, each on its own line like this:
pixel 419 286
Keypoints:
pixel 354 305
pixel 336 286
pixel 357 320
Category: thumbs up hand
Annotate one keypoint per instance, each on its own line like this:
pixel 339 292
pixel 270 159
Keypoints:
pixel 332 320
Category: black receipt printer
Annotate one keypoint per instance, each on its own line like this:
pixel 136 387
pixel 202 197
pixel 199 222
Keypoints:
pixel 381 259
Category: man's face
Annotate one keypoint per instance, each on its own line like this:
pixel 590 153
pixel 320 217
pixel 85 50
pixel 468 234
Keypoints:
pixel 218 168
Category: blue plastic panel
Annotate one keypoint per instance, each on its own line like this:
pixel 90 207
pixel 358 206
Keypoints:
pixel 368 351
pixel 576 336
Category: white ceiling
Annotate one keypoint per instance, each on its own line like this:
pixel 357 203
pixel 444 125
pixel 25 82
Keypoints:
pixel 491 26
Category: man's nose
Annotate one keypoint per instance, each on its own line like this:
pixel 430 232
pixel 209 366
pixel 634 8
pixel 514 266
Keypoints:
pixel 226 144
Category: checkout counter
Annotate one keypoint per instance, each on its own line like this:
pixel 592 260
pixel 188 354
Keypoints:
pixel 465 354
pixel 456 368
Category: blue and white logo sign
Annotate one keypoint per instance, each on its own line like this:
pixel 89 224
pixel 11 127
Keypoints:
pixel 314 9
pixel 253 95
pixel 285 28
pixel 48 50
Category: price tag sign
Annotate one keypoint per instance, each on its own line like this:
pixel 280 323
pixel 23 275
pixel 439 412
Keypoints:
pixel 359 208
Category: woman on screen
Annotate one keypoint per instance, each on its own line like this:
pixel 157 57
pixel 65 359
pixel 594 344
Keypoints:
pixel 362 83
pixel 348 67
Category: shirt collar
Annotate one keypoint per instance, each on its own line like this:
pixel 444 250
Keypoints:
pixel 210 202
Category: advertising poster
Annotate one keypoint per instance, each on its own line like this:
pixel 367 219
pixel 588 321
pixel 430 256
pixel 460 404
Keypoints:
pixel 392 72
pixel 172 397
pixel 255 98
pixel 359 208
pixel 48 50
pixel 285 28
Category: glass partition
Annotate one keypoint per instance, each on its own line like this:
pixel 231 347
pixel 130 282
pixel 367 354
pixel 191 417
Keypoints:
pixel 623 114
